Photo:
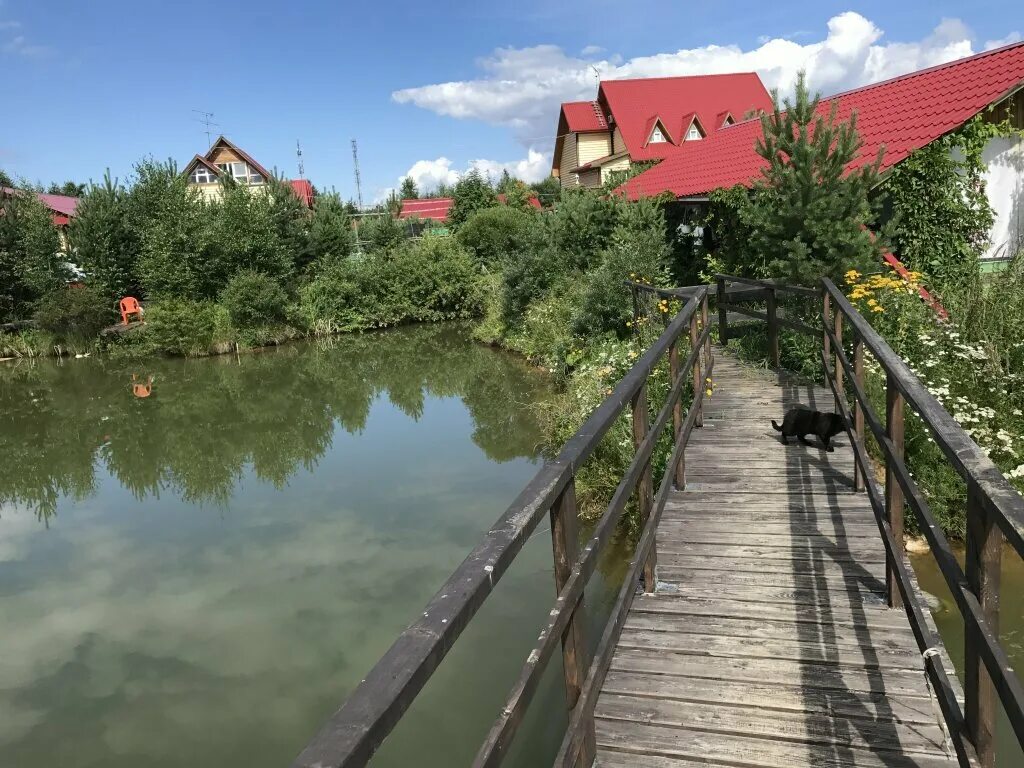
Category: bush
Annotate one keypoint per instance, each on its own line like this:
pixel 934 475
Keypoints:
pixel 472 193
pixel 181 327
pixel 381 234
pixel 75 312
pixel 253 299
pixel 105 244
pixel 495 235
pixel 437 280
pixel 30 263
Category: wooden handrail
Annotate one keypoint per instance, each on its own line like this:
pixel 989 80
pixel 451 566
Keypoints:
pixel 994 512
pixel 356 730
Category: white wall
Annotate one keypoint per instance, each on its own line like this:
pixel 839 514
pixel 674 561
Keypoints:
pixel 1004 185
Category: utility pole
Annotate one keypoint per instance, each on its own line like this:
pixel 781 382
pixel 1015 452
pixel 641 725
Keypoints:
pixel 355 164
pixel 298 153
pixel 207 121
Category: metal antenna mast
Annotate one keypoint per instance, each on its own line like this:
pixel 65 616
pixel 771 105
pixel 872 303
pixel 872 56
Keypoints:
pixel 206 121
pixel 298 153
pixel 355 163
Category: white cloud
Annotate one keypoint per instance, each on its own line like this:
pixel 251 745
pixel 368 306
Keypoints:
pixel 1013 37
pixel 10 25
pixel 521 88
pixel 20 46
pixel 428 174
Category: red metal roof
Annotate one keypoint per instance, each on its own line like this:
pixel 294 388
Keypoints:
pixel 435 208
pixel 635 104
pixel 304 190
pixel 62 207
pixel 902 115
pixel 584 116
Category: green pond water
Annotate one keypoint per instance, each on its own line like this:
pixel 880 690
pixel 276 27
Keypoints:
pixel 199 559
pixel 1011 631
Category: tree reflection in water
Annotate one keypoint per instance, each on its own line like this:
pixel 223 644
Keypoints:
pixel 192 426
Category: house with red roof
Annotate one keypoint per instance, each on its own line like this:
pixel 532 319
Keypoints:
pixel 437 208
pixel 900 116
pixel 650 119
pixel 226 158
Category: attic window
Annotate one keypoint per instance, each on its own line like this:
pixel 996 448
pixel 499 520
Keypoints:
pixel 241 172
pixel 202 175
pixel 657 136
pixel 694 133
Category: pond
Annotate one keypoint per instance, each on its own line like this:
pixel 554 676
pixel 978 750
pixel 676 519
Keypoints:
pixel 1011 630
pixel 199 559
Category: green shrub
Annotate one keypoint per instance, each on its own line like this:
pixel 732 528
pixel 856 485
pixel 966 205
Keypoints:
pixel 495 235
pixel 254 299
pixel 105 244
pixel 75 312
pixel 30 263
pixel 437 280
pixel 181 326
pixel 472 193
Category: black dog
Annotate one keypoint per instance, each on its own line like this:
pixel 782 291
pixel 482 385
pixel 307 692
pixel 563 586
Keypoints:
pixel 804 421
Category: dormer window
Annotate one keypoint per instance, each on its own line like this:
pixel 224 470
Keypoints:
pixel 241 172
pixel 657 136
pixel 693 133
pixel 202 175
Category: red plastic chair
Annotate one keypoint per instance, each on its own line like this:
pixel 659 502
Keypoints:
pixel 130 306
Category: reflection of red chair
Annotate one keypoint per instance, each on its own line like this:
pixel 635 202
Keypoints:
pixel 142 388
pixel 130 306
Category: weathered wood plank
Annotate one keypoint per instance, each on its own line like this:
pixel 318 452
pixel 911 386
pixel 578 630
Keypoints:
pixel 775 697
pixel 752 552
pixel 811 728
pixel 643 739
pixel 710 577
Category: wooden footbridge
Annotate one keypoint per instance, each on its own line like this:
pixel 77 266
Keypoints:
pixel 769 618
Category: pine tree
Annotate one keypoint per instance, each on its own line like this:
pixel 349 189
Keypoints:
pixel 472 193
pixel 104 243
pixel 809 215
pixel 408 190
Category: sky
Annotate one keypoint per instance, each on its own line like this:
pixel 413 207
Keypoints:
pixel 427 90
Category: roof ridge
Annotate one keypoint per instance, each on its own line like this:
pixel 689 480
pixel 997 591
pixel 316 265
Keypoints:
pixel 676 77
pixel 925 71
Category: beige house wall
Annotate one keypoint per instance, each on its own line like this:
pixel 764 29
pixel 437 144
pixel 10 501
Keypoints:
pixel 592 146
pixel 622 164
pixel 568 161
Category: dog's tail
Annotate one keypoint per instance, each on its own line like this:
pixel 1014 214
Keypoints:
pixel 777 427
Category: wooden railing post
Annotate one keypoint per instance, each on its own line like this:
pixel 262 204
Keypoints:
pixel 723 317
pixel 893 492
pixel 575 657
pixel 858 410
pixel 773 330
pixel 703 325
pixel 982 566
pixel 697 383
pixel 679 470
pixel 644 488
pixel 826 311
pixel 636 311
pixel 837 366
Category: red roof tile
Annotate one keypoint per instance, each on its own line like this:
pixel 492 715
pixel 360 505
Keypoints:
pixel 901 115
pixel 584 116
pixel 61 206
pixel 435 208
pixel 304 190
pixel 633 103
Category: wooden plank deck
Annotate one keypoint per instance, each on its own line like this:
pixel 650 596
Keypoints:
pixel 768 643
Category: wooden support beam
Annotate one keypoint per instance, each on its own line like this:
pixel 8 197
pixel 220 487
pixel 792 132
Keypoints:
pixel 723 314
pixel 677 414
pixel 893 492
pixel 645 487
pixel 982 568
pixel 575 657
pixel 858 409
pixel 773 330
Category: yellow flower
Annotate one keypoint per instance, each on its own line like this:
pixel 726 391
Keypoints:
pixel 707 393
pixel 872 303
pixel 877 308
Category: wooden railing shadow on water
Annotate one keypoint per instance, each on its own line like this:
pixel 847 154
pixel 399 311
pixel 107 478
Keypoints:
pixel 356 730
pixel 995 511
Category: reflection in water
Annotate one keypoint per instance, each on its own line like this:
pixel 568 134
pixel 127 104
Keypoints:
pixel 1011 631
pixel 275 410
pixel 142 627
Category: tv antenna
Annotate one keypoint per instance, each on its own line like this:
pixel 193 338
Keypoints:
pixel 207 121
pixel 355 164
pixel 597 74
pixel 298 153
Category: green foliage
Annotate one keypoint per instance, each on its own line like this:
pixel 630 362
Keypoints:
pixel 941 216
pixel 30 260
pixel 637 250
pixel 254 299
pixel 105 243
pixel 68 188
pixel 331 237
pixel 808 217
pixel 181 327
pixel 616 179
pixel 496 235
pixel 75 313
pixel 246 234
pixel 581 226
pixel 5 179
pixel 381 234
pixel 472 193
pixel 548 191
pixel 434 279
pixel 408 190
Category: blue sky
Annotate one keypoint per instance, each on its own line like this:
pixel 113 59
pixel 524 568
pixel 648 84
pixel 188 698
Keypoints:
pixel 427 88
